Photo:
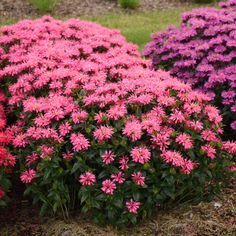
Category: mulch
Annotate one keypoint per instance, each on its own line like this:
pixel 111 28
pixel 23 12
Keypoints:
pixel 215 218
pixel 13 10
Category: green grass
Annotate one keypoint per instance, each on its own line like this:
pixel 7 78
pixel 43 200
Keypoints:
pixel 137 27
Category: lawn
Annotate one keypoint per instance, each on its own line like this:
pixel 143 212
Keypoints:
pixel 137 27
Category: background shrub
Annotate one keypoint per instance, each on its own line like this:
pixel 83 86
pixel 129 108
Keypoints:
pixel 202 52
pixel 132 4
pixel 96 130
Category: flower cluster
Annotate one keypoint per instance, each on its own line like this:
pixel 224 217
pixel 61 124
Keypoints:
pixel 202 52
pixel 7 161
pixel 94 121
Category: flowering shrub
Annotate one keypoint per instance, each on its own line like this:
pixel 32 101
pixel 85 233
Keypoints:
pixel 96 130
pixel 202 52
pixel 7 161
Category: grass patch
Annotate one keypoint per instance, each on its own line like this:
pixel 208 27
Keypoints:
pixel 137 27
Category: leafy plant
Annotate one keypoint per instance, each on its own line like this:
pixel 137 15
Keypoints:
pixel 201 52
pixel 96 130
pixel 204 1
pixel 132 4
pixel 44 5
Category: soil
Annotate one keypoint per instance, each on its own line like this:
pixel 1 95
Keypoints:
pixel 215 218
pixel 13 10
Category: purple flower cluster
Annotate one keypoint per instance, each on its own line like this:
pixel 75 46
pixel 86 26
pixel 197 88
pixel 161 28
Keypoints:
pixel 202 52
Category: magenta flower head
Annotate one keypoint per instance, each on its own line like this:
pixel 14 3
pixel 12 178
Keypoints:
pixel 27 176
pixel 133 206
pixel 108 187
pixel 202 52
pixel 87 178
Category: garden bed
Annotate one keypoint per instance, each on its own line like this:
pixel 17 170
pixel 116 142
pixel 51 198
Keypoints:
pixel 19 9
pixel 207 218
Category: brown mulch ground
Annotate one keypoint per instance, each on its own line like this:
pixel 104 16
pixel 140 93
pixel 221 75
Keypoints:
pixel 216 218
pixel 12 10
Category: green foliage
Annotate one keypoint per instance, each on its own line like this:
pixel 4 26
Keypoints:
pixel 204 1
pixel 131 4
pixel 44 5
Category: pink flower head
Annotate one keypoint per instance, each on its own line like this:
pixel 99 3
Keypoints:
pixel 188 166
pixel 99 117
pixel 230 147
pixel 209 135
pixel 133 130
pixel 30 159
pixel 209 150
pixel 2 193
pixel 65 129
pixel 46 151
pixel 68 155
pixel 232 168
pixel 177 117
pixel 133 206
pixel 138 178
pixel 119 177
pixel 184 140
pixel 124 163
pixel 27 176
pixel 108 157
pixel 140 155
pixel 80 143
pixel 103 133
pixel 79 117
pixel 173 158
pixel 108 187
pixel 87 178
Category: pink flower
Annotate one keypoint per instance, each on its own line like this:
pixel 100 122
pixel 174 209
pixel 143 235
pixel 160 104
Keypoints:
pixel 229 146
pixel 124 163
pixel 210 136
pixel 46 151
pixel 133 130
pixel 195 125
pixel 79 117
pixel 2 193
pixel 188 166
pixel 99 117
pixel 65 129
pixel 177 117
pixel 30 159
pixel 103 133
pixel 118 177
pixel 138 178
pixel 184 140
pixel 20 141
pixel 80 143
pixel 133 206
pixel 108 187
pixel 27 176
pixel 140 155
pixel 173 158
pixel 209 150
pixel 68 155
pixel 108 157
pixel 87 178
pixel 117 112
